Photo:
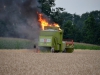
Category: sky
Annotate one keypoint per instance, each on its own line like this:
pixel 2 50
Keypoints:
pixel 78 6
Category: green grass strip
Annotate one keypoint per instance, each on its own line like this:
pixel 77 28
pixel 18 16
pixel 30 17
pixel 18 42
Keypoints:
pixel 13 43
pixel 86 46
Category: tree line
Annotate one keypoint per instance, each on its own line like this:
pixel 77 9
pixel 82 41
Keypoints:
pixel 84 28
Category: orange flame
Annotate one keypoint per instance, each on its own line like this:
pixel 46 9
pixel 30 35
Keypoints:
pixel 44 22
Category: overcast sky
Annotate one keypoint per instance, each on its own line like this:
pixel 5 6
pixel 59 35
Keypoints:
pixel 78 6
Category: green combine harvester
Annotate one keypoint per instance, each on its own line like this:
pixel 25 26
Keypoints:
pixel 53 37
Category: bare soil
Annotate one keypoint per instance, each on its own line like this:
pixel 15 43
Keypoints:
pixel 27 62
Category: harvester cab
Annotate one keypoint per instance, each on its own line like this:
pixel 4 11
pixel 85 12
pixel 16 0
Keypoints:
pixel 52 37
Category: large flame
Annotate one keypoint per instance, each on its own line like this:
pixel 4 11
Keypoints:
pixel 44 22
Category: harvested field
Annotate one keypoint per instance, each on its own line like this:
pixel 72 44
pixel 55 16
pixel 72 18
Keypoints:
pixel 26 62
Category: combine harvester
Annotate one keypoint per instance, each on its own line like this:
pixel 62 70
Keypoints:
pixel 53 37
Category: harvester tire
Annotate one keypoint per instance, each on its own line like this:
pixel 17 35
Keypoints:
pixel 52 50
pixel 64 51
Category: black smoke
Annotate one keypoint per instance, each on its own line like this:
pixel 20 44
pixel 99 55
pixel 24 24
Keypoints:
pixel 20 17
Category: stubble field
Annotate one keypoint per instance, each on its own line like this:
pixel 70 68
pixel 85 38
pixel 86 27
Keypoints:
pixel 27 62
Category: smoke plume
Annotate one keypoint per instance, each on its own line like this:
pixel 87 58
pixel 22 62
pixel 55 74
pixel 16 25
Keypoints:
pixel 21 17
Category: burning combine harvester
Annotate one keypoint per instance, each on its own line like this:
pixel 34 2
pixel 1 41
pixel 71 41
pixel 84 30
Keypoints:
pixel 51 36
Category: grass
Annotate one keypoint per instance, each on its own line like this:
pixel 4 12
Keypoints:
pixel 86 46
pixel 15 43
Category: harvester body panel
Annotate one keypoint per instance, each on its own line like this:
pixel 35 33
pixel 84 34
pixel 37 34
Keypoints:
pixel 51 38
pixel 45 41
pixel 63 45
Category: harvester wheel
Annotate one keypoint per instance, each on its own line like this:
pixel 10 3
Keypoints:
pixel 64 51
pixel 52 50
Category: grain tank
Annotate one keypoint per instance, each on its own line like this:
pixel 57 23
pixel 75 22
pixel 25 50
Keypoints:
pixel 52 37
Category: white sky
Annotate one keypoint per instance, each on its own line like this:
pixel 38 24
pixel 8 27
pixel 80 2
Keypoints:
pixel 78 6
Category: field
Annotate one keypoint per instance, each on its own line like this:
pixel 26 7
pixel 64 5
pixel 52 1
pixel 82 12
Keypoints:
pixel 17 43
pixel 27 62
pixel 86 46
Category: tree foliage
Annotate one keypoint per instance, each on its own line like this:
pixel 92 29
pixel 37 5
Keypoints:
pixel 89 29
pixel 46 5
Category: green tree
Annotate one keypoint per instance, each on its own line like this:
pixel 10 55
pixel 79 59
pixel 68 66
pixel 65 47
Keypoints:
pixel 54 13
pixel 89 30
pixel 68 30
pixel 46 5
pixel 97 34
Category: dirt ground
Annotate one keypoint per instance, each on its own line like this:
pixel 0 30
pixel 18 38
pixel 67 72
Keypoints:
pixel 27 62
